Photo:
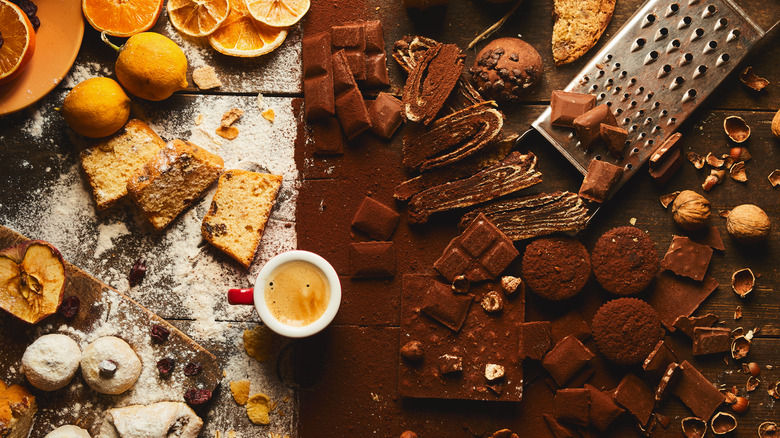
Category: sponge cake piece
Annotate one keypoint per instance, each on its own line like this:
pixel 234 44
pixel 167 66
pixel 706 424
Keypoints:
pixel 239 210
pixel 17 409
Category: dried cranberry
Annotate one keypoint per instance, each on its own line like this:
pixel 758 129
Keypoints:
pixel 197 397
pixel 137 272
pixel 70 307
pixel 165 366
pixel 160 333
pixel 192 369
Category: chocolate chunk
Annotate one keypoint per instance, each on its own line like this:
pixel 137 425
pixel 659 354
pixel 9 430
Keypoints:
pixel 375 55
pixel 371 259
pixel 669 380
pixel 317 76
pixel 570 324
pixel 375 219
pixel 431 81
pixel 687 258
pixel 636 397
pixel 481 252
pixel 614 138
pixel 534 340
pixel 556 428
pixel 687 324
pixel 658 360
pixel 447 308
pixel 665 150
pixel 666 170
pixel 450 364
pixel 711 340
pixel 572 405
pixel 566 106
pixel 599 180
pixel 351 38
pixel 350 106
pixel 696 392
pixel 709 236
pixel 588 125
pixel 603 409
pixel 326 137
pixel 674 296
pixel 566 359
pixel 385 113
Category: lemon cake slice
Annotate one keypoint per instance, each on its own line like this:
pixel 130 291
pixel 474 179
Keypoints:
pixel 578 26
pixel 236 219
pixel 172 180
pixel 110 162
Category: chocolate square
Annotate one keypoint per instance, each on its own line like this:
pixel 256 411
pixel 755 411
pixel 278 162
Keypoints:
pixel 711 340
pixel 385 113
pixel 572 405
pixel 350 106
pixel 446 307
pixel 326 137
pixel 687 324
pixel 658 360
pixel 317 76
pixel 566 359
pixel 570 324
pixel 557 429
pixel 665 150
pixel 376 57
pixel 603 409
pixel 673 296
pixel 588 125
pixel 351 38
pixel 636 397
pixel 375 219
pixel 371 259
pixel 666 169
pixel 687 258
pixel 566 106
pixel 614 137
pixel 698 393
pixel 534 339
pixel 599 180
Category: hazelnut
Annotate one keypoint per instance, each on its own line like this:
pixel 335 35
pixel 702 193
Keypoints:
pixel 691 210
pixel 492 302
pixel 512 284
pixel 776 125
pixel 723 423
pixel 460 284
pixel 413 351
pixel 741 405
pixel 754 369
pixel 748 223
pixel 493 371
pixel 408 434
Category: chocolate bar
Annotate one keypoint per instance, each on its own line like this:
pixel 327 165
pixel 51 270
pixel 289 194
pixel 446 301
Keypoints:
pixel 446 307
pixel 665 150
pixel 572 405
pixel 350 106
pixel 603 409
pixel 599 180
pixel 698 393
pixel 709 236
pixel 569 324
pixel 687 258
pixel 566 359
pixel 674 296
pixel 375 55
pixel 371 259
pixel 375 219
pixel 431 81
pixel 658 360
pixel 385 113
pixel 557 429
pixel 636 397
pixel 588 125
pixel 566 106
pixel 317 76
pixel 666 170
pixel 614 137
pixel 711 340
pixel 351 38
pixel 534 340
pixel 687 324
pixel 326 137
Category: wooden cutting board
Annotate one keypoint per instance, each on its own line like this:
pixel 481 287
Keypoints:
pixel 103 312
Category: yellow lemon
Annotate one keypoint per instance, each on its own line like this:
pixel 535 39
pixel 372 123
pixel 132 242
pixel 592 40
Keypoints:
pixel 151 66
pixel 96 107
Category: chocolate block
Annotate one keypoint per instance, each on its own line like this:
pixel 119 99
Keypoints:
pixel 669 380
pixel 696 392
pixel 431 82
pixel 572 405
pixel 588 125
pixel 326 137
pixel 566 106
pixel 556 428
pixel 317 76
pixel 603 409
pixel 711 340
pixel 709 236
pixel 665 150
pixel 599 180
pixel 687 258
pixel 674 296
pixel 375 55
pixel 566 359
pixel 375 219
pixel 534 340
pixel 636 397
pixel 658 360
pixel 351 38
pixel 350 106
pixel 687 324
pixel 666 170
pixel 480 253
pixel 446 307
pixel 614 137
pixel 570 324
pixel 371 259
pixel 385 113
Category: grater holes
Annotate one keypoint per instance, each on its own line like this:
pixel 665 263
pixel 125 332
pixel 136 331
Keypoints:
pixel 598 157
pixel 676 43
pixel 629 166
pixel 632 81
pixel 640 90
pixel 686 58
pixel 711 46
pixel 700 71
pixel 623 74
pixel 656 105
pixel 635 150
pixel 633 103
pixel 723 22
pixel 650 142
pixel 619 111
pixel 734 34
pixel 661 34
pixel 689 95
pixel 709 11
pixel 722 59
pixel 698 33
pixel 600 74
pixel 685 22
pixel 672 9
pixel 626 121
pixel 609 104
pixel 664 113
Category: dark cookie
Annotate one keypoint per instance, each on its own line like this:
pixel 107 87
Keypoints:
pixel 556 268
pixel 506 67
pixel 624 261
pixel 626 330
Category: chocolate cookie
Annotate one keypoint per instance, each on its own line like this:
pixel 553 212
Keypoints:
pixel 506 67
pixel 624 260
pixel 556 268
pixel 626 330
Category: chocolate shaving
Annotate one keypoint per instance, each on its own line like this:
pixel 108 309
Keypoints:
pixel 514 173
pixel 534 216
pixel 431 81
pixel 752 80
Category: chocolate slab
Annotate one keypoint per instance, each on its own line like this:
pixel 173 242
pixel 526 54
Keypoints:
pixel 556 428
pixel 658 360
pixel 371 259
pixel 317 76
pixel 614 137
pixel 534 340
pixel 603 409
pixel 572 405
pixel 326 137
pixel 350 106
pixel 385 113
pixel 484 338
pixel 588 125
pixel 570 324
pixel 566 359
pixel 375 55
pixel 445 306
pixel 709 236
pixel 668 168
pixel 599 180
pixel 687 258
pixel 665 150
pixel 672 296
pixel 711 340
pixel 566 106
pixel 480 253
pixel 636 397
pixel 687 324
pixel 351 38
pixel 701 396
pixel 375 219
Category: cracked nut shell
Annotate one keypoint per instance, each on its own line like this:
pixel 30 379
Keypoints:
pixel 767 429
pixel 743 281
pixel 776 125
pixel 736 128
pixel 693 427
pixel 748 223
pixel 504 68
pixel 723 423
pixel 492 302
pixel 691 210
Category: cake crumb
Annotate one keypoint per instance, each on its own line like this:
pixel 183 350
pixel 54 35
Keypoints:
pixel 205 78
pixel 230 117
pixel 269 114
pixel 198 119
pixel 229 132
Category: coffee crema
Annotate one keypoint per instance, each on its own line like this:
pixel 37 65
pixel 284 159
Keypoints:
pixel 297 293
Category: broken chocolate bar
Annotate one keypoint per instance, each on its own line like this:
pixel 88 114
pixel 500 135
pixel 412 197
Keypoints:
pixel 687 258
pixel 665 150
pixel 350 106
pixel 674 296
pixel 385 113
pixel 698 393
pixel 351 38
pixel 371 259
pixel 326 137
pixel 658 360
pixel 534 340
pixel 557 429
pixel 445 307
pixel 569 324
pixel 687 324
pixel 375 219
pixel 603 409
pixel 566 106
pixel 614 138
pixel 317 76
pixel 572 405
pixel 431 81
pixel 534 216
pixel 514 173
pixel 375 55
pixel 666 169
pixel 599 180
pixel 668 381
pixel 588 125
pixel 636 397
pixel 566 359
pixel 711 340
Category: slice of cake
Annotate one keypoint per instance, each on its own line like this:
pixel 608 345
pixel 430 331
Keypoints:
pixel 578 26
pixel 238 213
pixel 17 409
pixel 172 180
pixel 109 163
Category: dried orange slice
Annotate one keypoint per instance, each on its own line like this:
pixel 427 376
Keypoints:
pixel 197 17
pixel 279 13
pixel 18 41
pixel 121 18
pixel 241 35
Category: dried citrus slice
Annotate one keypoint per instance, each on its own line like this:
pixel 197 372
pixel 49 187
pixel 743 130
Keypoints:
pixel 18 41
pixel 241 35
pixel 279 13
pixel 122 18
pixel 197 17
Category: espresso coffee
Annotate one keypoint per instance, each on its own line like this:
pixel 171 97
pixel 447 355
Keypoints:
pixel 297 293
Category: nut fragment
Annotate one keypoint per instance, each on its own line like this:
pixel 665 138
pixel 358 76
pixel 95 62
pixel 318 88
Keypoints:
pixel 691 210
pixel 774 178
pixel 492 302
pixel 736 128
pixel 697 160
pixel 740 405
pixel 493 371
pixel 714 161
pixel 748 223
pixel 461 284
pixel 723 423
pixel 776 124
pixel 668 198
pixel 731 398
pixel 709 182
pixel 767 429
pixel 738 313
pixel 752 384
pixel 752 80
pixel 511 285
pixel 774 391
pixel 413 351
pixel 504 433
pixel 449 363
pixel 743 281
pixel 694 427
pixel 737 172
pixel 740 346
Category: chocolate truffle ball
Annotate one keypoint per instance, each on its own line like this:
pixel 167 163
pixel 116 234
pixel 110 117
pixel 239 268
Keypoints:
pixel 556 268
pixel 624 261
pixel 626 330
pixel 504 68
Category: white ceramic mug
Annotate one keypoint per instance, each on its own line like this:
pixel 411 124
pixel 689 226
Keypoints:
pixel 256 296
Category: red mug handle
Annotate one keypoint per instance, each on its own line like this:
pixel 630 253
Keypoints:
pixel 241 296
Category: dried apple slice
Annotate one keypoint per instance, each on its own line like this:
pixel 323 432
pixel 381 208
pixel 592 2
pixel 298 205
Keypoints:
pixel 32 280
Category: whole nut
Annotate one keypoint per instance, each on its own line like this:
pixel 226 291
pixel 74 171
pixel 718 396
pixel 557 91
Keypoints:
pixel 408 434
pixel 748 223
pixel 776 125
pixel 691 210
pixel 741 405
pixel 413 351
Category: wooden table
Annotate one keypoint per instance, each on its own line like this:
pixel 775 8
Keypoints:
pixel 40 172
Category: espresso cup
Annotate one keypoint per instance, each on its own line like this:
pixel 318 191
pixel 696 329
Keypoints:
pixel 296 294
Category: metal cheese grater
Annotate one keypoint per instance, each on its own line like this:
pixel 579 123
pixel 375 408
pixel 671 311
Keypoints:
pixel 658 68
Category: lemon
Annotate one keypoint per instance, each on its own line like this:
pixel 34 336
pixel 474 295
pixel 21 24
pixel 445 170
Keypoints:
pixel 151 66
pixel 96 107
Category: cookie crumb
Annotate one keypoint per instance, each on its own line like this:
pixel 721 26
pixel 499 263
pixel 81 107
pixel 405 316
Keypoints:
pixel 269 115
pixel 240 391
pixel 205 78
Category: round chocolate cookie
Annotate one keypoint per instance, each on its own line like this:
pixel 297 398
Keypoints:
pixel 626 330
pixel 624 260
pixel 504 68
pixel 556 268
